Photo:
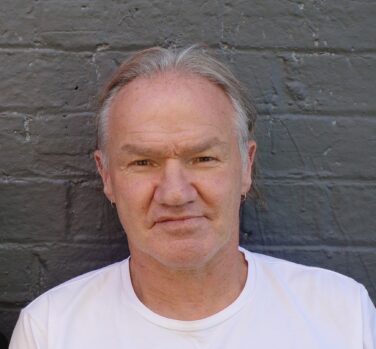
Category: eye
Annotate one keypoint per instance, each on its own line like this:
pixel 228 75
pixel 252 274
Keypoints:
pixel 201 159
pixel 143 162
pixel 205 158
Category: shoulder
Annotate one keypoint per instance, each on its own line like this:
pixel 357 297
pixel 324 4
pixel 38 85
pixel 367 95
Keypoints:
pixel 313 298
pixel 81 289
pixel 292 271
pixel 58 313
pixel 307 282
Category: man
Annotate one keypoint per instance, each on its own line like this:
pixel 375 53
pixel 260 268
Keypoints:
pixel 175 156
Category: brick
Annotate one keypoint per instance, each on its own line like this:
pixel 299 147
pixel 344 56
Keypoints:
pixel 311 214
pixel 330 83
pixel 296 214
pixel 49 145
pixel 15 148
pixel 359 265
pixel 309 83
pixel 106 63
pixel 250 230
pixel 64 134
pixel 91 216
pixel 353 209
pixel 41 80
pixel 65 166
pixel 261 74
pixel 8 319
pixel 323 147
pixel 86 24
pixel 63 262
pixel 64 144
pixel 32 211
pixel 17 22
pixel 340 24
pixel 19 273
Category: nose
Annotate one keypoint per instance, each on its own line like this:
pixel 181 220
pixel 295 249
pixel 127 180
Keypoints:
pixel 174 187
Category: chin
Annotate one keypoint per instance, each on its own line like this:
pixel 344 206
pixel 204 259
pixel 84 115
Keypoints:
pixel 188 256
pixel 181 264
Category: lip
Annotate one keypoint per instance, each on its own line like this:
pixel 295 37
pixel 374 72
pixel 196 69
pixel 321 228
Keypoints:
pixel 166 219
pixel 182 226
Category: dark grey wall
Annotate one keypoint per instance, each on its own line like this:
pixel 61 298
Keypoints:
pixel 310 66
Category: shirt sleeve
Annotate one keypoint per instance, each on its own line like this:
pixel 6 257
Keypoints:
pixel 369 321
pixel 28 334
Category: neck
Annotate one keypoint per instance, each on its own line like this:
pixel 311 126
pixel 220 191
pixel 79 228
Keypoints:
pixel 189 294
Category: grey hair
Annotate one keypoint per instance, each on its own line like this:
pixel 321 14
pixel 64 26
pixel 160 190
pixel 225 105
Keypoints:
pixel 191 60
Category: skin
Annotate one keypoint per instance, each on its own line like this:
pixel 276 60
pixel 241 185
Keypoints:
pixel 174 172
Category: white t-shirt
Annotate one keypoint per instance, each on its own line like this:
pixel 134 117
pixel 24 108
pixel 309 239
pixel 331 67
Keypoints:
pixel 283 305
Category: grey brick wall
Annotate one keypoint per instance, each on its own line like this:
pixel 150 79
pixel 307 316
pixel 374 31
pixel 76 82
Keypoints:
pixel 310 66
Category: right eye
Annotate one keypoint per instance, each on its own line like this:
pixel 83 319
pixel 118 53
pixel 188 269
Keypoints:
pixel 143 162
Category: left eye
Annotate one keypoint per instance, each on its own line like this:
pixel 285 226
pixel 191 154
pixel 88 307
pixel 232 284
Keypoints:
pixel 203 159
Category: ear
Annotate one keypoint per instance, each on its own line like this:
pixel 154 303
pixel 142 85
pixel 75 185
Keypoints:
pixel 104 173
pixel 247 167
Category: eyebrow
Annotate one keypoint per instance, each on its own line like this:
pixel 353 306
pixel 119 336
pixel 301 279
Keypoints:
pixel 138 149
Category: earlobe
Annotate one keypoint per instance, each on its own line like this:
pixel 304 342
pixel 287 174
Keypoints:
pixel 104 173
pixel 247 169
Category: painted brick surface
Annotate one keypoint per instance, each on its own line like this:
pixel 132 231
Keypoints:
pixel 299 24
pixel 12 14
pixel 75 259
pixel 19 275
pixel 306 222
pixel 319 213
pixel 87 200
pixel 63 144
pixel 353 210
pixel 325 147
pixel 16 155
pixel 91 24
pixel 330 82
pixel 40 80
pixel 310 67
pixel 33 210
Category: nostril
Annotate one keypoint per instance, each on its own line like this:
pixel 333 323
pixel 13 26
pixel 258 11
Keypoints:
pixel 175 193
pixel 174 196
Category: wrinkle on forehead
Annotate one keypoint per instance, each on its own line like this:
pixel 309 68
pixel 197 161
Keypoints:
pixel 171 114
pixel 159 148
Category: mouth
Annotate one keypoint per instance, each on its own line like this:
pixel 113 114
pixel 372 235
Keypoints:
pixel 177 222
pixel 168 219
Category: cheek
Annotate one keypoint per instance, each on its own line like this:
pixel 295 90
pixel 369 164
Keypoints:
pixel 132 207
pixel 221 190
pixel 133 194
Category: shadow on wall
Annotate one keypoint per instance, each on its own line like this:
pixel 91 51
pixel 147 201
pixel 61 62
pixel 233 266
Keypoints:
pixel 3 342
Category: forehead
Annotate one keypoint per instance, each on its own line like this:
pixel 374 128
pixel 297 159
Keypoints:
pixel 171 104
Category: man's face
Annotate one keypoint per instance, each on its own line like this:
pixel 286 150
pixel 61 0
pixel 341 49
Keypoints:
pixel 174 169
